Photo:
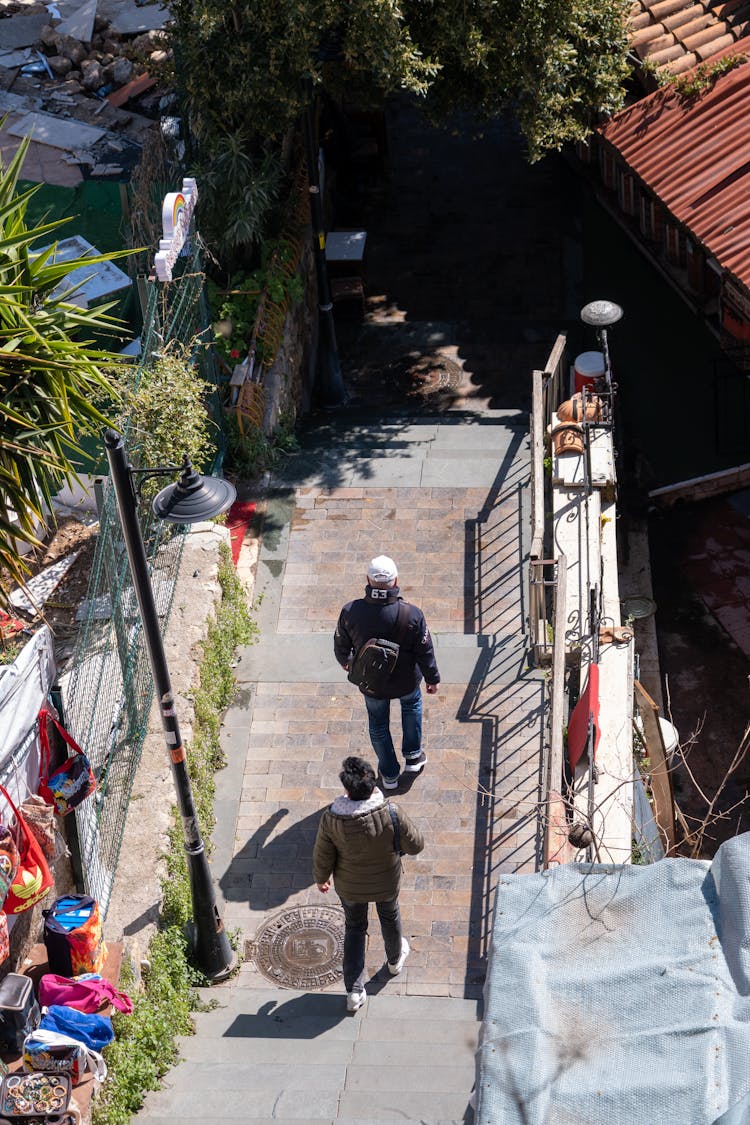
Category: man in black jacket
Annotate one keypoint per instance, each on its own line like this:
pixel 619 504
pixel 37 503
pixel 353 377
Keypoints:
pixel 377 615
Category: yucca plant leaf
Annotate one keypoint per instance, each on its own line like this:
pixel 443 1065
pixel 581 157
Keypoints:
pixel 54 377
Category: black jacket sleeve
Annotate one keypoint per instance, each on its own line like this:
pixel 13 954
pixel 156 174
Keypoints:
pixel 343 649
pixel 424 651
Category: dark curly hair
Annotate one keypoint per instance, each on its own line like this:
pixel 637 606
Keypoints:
pixel 358 778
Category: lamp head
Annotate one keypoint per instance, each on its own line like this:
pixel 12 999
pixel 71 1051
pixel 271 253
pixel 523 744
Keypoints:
pixel 193 498
pixel 601 314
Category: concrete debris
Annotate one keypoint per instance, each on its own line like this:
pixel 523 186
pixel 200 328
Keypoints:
pixel 81 24
pixel 91 74
pixel 47 129
pixel 60 66
pixel 22 31
pixel 13 59
pixel 122 71
pixel 81 60
pixel 31 597
pixel 129 20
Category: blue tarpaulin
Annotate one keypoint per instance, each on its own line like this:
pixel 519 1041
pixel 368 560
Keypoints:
pixel 620 995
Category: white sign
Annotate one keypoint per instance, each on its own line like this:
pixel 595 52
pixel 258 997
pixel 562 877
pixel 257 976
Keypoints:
pixel 176 217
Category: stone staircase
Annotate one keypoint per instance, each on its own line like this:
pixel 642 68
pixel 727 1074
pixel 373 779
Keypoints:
pixel 283 1056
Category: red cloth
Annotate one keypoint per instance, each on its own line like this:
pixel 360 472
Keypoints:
pixel 238 521
pixel 578 727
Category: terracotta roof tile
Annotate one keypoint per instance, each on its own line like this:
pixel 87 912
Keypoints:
pixel 695 157
pixel 676 34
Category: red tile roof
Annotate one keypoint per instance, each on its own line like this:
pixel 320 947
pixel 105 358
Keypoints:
pixel 694 155
pixel 674 35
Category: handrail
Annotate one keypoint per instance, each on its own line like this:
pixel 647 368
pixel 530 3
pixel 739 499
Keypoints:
pixel 556 846
pixel 536 434
pixel 555 378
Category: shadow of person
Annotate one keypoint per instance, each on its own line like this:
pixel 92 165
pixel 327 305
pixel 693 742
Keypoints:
pixel 302 1017
pixel 271 867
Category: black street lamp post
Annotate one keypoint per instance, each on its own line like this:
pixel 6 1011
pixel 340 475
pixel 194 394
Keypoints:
pixel 191 499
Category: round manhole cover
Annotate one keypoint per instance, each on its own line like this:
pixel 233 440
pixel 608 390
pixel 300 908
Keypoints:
pixel 302 947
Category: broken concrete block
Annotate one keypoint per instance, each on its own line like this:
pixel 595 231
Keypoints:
pixel 91 73
pixel 152 40
pixel 47 129
pixel 72 49
pixel 22 31
pixel 81 23
pixel 49 37
pixel 70 87
pixel 122 71
pixel 59 65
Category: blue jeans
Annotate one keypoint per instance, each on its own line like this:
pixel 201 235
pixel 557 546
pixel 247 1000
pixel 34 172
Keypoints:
pixel 355 937
pixel 379 716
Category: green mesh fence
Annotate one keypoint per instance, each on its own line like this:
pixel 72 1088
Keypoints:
pixel 109 691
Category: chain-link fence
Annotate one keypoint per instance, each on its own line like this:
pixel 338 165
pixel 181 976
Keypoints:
pixel 109 690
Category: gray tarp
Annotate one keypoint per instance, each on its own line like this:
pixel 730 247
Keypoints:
pixel 620 995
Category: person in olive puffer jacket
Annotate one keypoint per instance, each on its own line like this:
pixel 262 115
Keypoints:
pixel 356 844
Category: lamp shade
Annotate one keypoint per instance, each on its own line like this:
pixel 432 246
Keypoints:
pixel 601 314
pixel 193 497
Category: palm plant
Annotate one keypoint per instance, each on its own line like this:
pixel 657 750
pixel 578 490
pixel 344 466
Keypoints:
pixel 52 373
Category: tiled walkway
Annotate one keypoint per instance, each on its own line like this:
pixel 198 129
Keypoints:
pixel 460 553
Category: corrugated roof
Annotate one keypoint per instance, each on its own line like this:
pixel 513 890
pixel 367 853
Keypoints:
pixel 695 156
pixel 674 35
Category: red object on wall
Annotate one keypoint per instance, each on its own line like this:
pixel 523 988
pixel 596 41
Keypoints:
pixel 578 727
pixel 238 521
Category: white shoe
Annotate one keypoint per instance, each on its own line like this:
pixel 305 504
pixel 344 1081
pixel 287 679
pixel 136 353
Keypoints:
pixel 355 999
pixel 395 968
pixel 391 783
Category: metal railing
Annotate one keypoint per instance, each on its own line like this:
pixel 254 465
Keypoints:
pixel 547 390
pixel 556 846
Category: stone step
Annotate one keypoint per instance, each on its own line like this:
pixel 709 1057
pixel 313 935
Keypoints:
pixel 264 1055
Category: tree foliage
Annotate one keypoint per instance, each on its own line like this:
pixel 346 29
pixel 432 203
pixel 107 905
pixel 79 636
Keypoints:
pixel 243 66
pixel 52 374
pixel 558 63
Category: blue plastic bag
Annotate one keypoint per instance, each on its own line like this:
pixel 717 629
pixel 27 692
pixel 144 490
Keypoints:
pixel 93 1030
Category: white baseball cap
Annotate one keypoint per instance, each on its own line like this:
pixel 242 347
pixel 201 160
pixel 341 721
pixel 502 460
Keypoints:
pixel 382 569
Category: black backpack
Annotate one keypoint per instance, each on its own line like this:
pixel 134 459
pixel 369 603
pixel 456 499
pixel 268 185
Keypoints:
pixel 372 666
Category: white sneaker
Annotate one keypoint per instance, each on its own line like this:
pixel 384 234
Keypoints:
pixel 395 968
pixel 355 999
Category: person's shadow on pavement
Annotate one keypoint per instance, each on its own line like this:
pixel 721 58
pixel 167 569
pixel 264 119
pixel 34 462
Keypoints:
pixel 265 873
pixel 302 1017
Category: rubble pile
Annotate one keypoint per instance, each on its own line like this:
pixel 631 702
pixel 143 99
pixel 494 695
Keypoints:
pixel 83 54
pixel 108 62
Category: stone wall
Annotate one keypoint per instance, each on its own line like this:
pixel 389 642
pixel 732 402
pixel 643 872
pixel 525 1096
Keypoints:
pixel 289 381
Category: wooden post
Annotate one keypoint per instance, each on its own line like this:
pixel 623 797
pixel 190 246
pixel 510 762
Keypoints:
pixel 661 779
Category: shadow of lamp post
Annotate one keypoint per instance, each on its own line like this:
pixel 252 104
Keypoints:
pixel 191 499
